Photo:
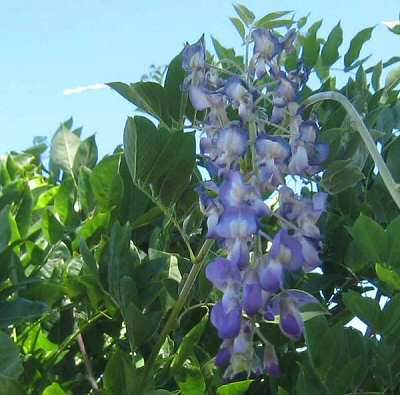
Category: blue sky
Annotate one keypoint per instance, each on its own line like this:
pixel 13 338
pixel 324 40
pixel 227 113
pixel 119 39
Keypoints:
pixel 49 46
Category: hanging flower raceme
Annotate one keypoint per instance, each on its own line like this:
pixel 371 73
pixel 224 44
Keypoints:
pixel 253 268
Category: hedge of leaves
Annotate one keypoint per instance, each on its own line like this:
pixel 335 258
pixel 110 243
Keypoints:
pixel 95 253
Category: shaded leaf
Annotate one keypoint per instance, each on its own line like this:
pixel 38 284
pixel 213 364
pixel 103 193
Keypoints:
pixel 370 239
pixel 367 309
pixel 13 312
pixel 120 377
pixel 10 363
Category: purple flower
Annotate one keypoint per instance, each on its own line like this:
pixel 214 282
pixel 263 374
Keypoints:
pixel 226 322
pixel 286 249
pixel 271 275
pixel 243 341
pixel 266 47
pixel 223 357
pixel 310 253
pixel 234 192
pixel 237 223
pixel 239 95
pixel 271 364
pixel 231 145
pixel 307 153
pixel 252 293
pixel 290 320
pixel 272 154
pixel 238 252
pixel 194 56
pixel 286 89
pixel 222 273
pixel 199 97
pixel 234 203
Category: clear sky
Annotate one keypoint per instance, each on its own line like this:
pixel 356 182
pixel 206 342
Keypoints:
pixel 48 46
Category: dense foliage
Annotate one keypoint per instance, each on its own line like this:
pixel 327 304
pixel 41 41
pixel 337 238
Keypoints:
pixel 101 278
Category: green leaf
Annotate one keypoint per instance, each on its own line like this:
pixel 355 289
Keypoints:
pixel 85 192
pixel 376 76
pixel 173 87
pixel 159 392
pixel 302 21
pixel 63 149
pixel 273 24
pixel 390 320
pixel 356 45
pixel 388 276
pixel 64 202
pixel 393 235
pixel 52 228
pixel 366 309
pixel 13 312
pixel 148 96
pixel 244 13
pixel 236 388
pixel 54 389
pixel 147 217
pixel 91 226
pixel 263 22
pixel 87 256
pixel 330 52
pixel 106 182
pixel 311 45
pixel 23 217
pixel 190 378
pixel 118 264
pixel 120 377
pixel 46 197
pixel 10 363
pixel 5 228
pixel 86 155
pixel 190 340
pixel 239 26
pixel 392 60
pixel 160 163
pixel 370 239
pixel 222 52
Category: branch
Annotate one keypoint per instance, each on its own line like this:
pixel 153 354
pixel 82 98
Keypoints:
pixel 172 319
pixel 391 185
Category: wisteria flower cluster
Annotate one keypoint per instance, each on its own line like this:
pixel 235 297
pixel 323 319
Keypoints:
pixel 252 271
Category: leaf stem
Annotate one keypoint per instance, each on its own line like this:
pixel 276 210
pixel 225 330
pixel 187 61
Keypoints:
pixel 369 142
pixel 172 319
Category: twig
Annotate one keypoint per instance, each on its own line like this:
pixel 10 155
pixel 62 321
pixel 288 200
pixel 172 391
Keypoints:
pixel 369 142
pixel 88 364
